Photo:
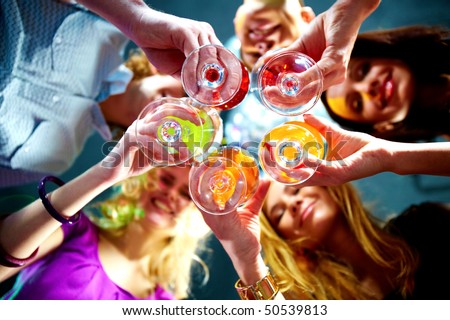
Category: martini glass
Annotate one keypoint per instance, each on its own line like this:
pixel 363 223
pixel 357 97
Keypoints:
pixel 291 152
pixel 171 131
pixel 225 180
pixel 213 76
pixel 287 82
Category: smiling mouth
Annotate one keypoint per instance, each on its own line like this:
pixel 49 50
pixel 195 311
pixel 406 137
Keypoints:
pixel 306 212
pixel 386 90
pixel 161 205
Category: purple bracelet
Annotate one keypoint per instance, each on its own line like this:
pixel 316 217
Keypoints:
pixel 9 261
pixel 51 210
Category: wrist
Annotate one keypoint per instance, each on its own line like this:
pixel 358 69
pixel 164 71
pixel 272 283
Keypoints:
pixel 105 176
pixel 264 289
pixel 398 157
pixel 250 273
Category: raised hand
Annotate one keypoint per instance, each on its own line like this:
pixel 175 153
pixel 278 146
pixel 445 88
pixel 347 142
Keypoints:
pixel 330 37
pixel 350 156
pixel 239 234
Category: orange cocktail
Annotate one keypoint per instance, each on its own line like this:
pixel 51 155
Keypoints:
pixel 290 153
pixel 225 180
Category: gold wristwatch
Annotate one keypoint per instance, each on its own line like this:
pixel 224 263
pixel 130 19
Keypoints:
pixel 264 289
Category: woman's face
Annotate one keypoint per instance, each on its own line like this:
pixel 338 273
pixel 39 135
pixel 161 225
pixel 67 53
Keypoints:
pixel 168 199
pixel 260 29
pixel 307 212
pixel 124 108
pixel 375 91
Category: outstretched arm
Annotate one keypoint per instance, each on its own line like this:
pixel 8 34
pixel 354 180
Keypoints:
pixel 166 39
pixel 239 234
pixel 354 155
pixel 22 232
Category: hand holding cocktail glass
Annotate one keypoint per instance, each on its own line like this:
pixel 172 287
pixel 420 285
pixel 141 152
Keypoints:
pixel 225 180
pixel 176 131
pixel 213 76
pixel 173 131
pixel 289 83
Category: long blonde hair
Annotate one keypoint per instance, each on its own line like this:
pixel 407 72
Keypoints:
pixel 318 275
pixel 173 260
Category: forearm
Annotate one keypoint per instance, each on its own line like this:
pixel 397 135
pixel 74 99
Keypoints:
pixel 22 232
pixel 420 158
pixel 124 14
pixel 250 272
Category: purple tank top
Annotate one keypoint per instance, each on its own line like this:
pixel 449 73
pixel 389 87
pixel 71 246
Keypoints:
pixel 73 272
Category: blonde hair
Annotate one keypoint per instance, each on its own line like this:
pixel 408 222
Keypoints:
pixel 318 275
pixel 141 67
pixel 172 261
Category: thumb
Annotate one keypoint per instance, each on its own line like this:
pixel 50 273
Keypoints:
pixel 255 204
pixel 319 123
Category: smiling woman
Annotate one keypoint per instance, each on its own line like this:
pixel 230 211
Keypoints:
pixel 397 86
pixel 377 91
pixel 322 243
pixel 139 243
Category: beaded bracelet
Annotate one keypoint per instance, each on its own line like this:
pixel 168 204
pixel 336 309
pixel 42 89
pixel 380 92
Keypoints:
pixel 9 261
pixel 51 210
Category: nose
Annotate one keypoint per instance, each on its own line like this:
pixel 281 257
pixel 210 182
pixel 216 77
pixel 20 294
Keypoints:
pixel 370 87
pixel 294 207
pixel 173 197
pixel 264 46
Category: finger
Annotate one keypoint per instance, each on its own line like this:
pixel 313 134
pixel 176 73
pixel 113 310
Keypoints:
pixel 214 40
pixel 298 45
pixel 203 39
pixel 255 204
pixel 321 124
pixel 327 174
pixel 212 37
pixel 333 71
pixel 174 111
pixel 191 43
pixel 333 78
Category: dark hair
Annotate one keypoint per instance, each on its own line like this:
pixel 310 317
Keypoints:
pixel 426 50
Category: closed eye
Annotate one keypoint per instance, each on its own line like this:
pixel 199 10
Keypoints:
pixel 291 190
pixel 276 214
